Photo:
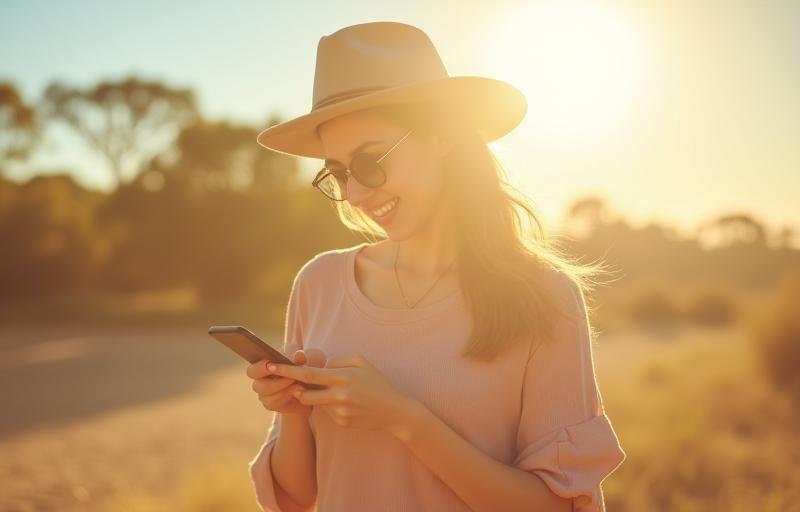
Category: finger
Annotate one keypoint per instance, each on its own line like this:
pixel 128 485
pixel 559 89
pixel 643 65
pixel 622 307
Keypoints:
pixel 276 401
pixel 282 398
pixel 270 385
pixel 299 357
pixel 307 374
pixel 346 361
pixel 321 397
pixel 316 357
pixel 258 369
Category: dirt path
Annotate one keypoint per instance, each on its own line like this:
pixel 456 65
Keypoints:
pixel 128 410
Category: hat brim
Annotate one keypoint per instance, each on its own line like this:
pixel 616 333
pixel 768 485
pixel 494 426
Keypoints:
pixel 494 107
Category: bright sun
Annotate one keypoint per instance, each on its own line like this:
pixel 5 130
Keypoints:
pixel 579 64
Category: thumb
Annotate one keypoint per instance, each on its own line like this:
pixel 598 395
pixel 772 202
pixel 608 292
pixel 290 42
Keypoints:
pixel 316 358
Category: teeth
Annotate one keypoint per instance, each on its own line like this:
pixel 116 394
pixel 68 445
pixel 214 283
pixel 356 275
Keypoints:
pixel 383 210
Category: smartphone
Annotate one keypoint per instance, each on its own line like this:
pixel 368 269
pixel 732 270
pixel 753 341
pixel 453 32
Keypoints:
pixel 252 348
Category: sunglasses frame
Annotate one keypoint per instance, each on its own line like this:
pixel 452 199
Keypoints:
pixel 322 174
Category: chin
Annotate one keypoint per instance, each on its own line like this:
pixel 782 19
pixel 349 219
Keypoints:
pixel 399 235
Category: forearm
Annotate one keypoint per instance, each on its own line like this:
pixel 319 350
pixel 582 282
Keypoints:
pixel 482 482
pixel 294 462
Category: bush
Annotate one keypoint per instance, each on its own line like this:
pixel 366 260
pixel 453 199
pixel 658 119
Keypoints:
pixel 712 308
pixel 776 335
pixel 654 308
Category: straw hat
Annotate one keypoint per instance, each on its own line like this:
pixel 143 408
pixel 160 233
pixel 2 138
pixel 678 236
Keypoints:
pixel 370 64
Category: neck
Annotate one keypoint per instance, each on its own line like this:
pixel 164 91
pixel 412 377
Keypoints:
pixel 429 253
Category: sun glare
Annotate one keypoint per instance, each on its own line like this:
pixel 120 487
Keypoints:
pixel 579 64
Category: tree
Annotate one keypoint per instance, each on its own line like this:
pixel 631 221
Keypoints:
pixel 786 237
pixel 19 129
pixel 585 216
pixel 127 122
pixel 215 156
pixel 734 229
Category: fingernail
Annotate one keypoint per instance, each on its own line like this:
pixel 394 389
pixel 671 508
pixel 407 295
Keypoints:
pixel 271 367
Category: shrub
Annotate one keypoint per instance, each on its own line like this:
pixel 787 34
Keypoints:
pixel 776 335
pixel 711 308
pixel 654 308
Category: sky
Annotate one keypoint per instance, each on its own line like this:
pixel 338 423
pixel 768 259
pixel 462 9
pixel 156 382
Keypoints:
pixel 675 112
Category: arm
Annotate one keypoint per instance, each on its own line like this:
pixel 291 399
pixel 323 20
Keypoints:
pixel 480 481
pixel 284 470
pixel 566 445
pixel 293 464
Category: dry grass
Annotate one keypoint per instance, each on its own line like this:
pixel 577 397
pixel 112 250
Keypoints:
pixel 701 427
pixel 212 486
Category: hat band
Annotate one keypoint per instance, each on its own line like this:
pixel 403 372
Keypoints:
pixel 346 96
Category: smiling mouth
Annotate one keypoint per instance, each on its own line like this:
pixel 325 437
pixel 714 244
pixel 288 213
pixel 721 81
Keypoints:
pixel 387 208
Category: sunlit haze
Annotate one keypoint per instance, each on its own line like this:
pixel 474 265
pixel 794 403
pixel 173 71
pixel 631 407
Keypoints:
pixel 673 112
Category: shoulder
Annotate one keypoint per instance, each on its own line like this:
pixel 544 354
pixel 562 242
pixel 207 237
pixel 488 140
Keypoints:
pixel 567 327
pixel 324 265
pixel 563 290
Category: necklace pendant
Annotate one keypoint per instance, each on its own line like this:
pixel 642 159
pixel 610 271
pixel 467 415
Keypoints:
pixel 397 277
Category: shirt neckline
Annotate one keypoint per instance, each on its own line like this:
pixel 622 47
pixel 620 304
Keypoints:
pixel 388 315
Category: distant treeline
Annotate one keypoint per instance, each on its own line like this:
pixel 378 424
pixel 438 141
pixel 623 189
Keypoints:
pixel 201 204
pixel 60 237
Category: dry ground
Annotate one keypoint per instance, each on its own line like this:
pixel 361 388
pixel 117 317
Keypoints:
pixel 135 416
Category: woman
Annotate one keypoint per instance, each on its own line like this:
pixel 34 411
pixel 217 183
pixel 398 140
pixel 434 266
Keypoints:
pixel 456 350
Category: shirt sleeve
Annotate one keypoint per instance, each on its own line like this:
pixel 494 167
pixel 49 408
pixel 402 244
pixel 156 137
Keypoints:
pixel 564 436
pixel 266 488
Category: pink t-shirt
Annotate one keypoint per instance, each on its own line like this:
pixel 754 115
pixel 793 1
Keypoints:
pixel 536 407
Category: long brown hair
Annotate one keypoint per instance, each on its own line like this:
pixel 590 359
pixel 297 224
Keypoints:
pixel 504 268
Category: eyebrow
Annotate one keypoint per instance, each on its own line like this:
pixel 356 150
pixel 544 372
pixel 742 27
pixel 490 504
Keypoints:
pixel 329 161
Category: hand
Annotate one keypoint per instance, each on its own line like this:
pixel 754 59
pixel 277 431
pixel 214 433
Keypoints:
pixel 274 392
pixel 357 395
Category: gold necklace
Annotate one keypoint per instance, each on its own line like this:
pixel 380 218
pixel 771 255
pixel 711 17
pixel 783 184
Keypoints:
pixel 411 306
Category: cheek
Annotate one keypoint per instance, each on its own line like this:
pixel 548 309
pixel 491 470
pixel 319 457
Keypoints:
pixel 416 188
pixel 429 190
pixel 420 189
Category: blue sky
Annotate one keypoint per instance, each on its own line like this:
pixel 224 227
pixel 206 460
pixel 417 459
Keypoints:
pixel 675 111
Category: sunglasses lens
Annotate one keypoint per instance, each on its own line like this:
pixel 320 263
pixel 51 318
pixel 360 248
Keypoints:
pixel 333 186
pixel 364 169
pixel 367 171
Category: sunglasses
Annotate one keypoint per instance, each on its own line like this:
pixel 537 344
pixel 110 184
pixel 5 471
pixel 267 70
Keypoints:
pixel 364 167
